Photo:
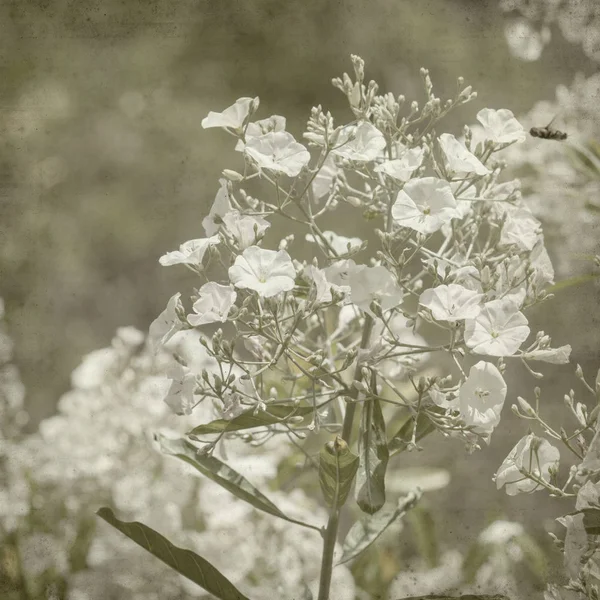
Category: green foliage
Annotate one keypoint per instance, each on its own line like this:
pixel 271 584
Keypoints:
pixel 337 468
pixel 185 562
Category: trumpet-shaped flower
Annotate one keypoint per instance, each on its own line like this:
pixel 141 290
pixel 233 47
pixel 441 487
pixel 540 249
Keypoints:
pixel 338 275
pixel 481 397
pixel 425 205
pixel 267 272
pixel 189 253
pixel 499 330
pixel 213 305
pixel 278 151
pixel 167 324
pixel 500 126
pixel 554 356
pixel 402 168
pixel 180 396
pixel 258 128
pixel 520 228
pixel 322 287
pixel 359 143
pixel 246 229
pixel 451 302
pixel 323 181
pixel 459 160
pixel 221 206
pixel 531 455
pixel 373 283
pixel 232 117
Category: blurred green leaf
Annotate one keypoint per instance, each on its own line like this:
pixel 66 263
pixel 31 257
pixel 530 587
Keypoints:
pixel 374 457
pixel 247 420
pixel 572 281
pixel 218 472
pixel 463 597
pixel 185 562
pixel 534 556
pixel 337 468
pixel 421 520
pixel 365 531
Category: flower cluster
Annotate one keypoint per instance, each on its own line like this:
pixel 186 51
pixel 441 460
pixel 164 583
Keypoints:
pixel 561 181
pixel 533 465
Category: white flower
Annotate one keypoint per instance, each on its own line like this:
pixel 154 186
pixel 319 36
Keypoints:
pixel 189 253
pixel 402 168
pixel 451 302
pixel 459 160
pixel 180 397
pixel 94 368
pixel 232 117
pixel 258 128
pixel 576 543
pixel 359 143
pixel 481 397
pixel 167 324
pixel 499 330
pixel 520 228
pixel 500 126
pixel 424 205
pixel 501 532
pixel 373 283
pixel 588 496
pixel 338 275
pixel 554 356
pixel 267 272
pixel 533 455
pixel 213 305
pixel 246 229
pixel 278 151
pixel 323 182
pixel 339 243
pixel 221 206
pixel 540 261
pixel 321 286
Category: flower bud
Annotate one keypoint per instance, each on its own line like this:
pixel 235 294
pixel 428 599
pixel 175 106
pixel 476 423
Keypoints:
pixel 526 407
pixel 232 175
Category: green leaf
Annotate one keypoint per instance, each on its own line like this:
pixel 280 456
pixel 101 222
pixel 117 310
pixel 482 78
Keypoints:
pixel 275 413
pixel 218 472
pixel 463 597
pixel 337 468
pixel 364 532
pixel 374 457
pixel 534 556
pixel 591 520
pixel 185 562
pixel 401 440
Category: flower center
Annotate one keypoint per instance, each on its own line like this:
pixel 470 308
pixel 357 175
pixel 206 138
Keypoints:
pixel 481 394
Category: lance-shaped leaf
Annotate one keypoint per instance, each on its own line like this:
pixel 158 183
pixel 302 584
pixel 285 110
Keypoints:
pixel 185 562
pixel 364 532
pixel 247 420
pixel 403 437
pixel 374 456
pixel 337 468
pixel 219 472
pixel 463 597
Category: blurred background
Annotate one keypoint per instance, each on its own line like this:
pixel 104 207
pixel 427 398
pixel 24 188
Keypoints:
pixel 104 165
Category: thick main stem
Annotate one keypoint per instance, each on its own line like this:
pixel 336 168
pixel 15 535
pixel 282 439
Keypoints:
pixel 330 535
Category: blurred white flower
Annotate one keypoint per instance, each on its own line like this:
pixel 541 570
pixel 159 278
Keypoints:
pixel 213 305
pixel 451 302
pixel 189 253
pixel 279 152
pixel 180 396
pixel 532 455
pixel 221 206
pixel 232 117
pixel 267 272
pixel 402 168
pixel 373 283
pixel 459 160
pixel 322 287
pixel 524 41
pixel 501 532
pixel 500 126
pixel 323 181
pixel 338 275
pixel 247 230
pixel 499 330
pixel 94 368
pixel 481 397
pixel 424 205
pixel 340 244
pixel 167 324
pixel 359 143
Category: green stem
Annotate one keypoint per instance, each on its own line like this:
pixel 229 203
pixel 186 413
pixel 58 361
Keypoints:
pixel 331 531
